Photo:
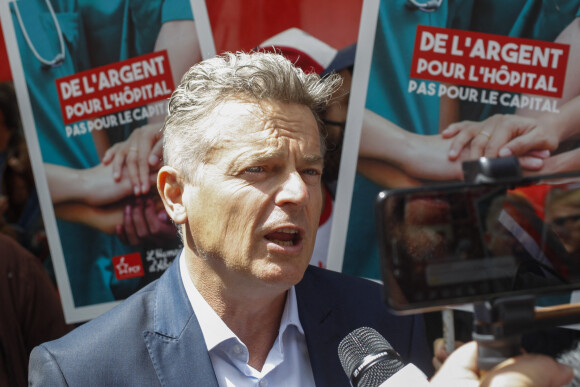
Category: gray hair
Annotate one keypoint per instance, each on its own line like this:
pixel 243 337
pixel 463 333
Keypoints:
pixel 256 76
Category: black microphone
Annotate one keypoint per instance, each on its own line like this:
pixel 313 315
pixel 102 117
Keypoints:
pixel 367 358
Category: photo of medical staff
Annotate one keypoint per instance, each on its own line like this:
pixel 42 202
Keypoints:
pixel 112 208
pixel 418 132
pixel 112 235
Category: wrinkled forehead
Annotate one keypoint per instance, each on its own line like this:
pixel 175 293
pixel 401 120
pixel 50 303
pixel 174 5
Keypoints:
pixel 271 123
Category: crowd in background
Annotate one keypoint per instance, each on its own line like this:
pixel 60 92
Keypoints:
pixel 29 302
pixel 20 216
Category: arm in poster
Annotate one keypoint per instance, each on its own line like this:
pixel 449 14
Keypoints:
pixel 103 218
pixel 418 156
pixel 93 186
pixel 133 223
pixel 179 38
pixel 142 151
pixel 393 157
pixel 385 174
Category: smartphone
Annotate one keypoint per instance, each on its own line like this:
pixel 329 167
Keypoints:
pixel 451 244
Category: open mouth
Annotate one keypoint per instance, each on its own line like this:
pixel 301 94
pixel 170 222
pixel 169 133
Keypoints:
pixel 284 237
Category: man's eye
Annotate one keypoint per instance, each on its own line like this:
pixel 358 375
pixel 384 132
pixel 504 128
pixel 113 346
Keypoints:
pixel 312 172
pixel 255 169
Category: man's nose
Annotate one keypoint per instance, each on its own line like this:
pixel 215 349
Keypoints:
pixel 293 190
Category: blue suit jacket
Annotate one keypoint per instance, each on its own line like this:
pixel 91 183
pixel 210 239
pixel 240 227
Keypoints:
pixel 153 338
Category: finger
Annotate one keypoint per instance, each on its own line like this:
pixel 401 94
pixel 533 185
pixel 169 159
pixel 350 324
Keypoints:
pixel 163 217
pixel 439 353
pixel 478 144
pixel 144 177
pixel 108 157
pixel 439 350
pixel 153 180
pixel 498 136
pixel 151 218
pixel 539 153
pixel 129 228
pixel 143 161
pixel 439 346
pixel 167 228
pixel 114 155
pixel 156 155
pixel 531 163
pixel 436 363
pixel 139 220
pixel 452 129
pixel 120 231
pixel 529 370
pixel 522 145
pixel 458 144
pixel 118 162
pixel 132 162
pixel 460 368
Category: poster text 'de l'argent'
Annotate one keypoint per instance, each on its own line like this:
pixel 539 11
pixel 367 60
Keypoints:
pixel 489 61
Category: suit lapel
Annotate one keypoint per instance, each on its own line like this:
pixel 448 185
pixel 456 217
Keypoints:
pixel 176 344
pixel 318 316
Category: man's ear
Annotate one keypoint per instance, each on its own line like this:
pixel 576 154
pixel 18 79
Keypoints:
pixel 171 192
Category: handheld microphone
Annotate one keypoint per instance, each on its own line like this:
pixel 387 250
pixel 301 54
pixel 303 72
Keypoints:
pixel 367 358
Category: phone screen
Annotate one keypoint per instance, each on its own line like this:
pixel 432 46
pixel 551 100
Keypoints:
pixel 460 243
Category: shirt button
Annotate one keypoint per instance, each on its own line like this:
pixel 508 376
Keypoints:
pixel 237 349
pixel 263 383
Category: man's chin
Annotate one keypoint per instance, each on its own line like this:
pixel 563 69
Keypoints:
pixel 282 274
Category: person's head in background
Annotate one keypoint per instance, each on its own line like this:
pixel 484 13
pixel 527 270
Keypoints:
pixel 314 55
pixel 563 214
pixel 244 150
pixel 13 149
pixel 10 129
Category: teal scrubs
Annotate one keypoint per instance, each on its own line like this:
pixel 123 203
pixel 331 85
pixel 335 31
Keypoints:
pixel 389 78
pixel 96 32
pixel 387 95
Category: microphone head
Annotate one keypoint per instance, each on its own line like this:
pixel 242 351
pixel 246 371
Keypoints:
pixel 367 358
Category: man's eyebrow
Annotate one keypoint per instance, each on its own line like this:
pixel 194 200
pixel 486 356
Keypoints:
pixel 310 158
pixel 313 158
pixel 255 157
pixel 264 156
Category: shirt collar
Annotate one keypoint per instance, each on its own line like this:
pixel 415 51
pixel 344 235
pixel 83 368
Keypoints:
pixel 214 330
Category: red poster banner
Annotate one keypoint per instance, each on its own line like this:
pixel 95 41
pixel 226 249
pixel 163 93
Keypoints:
pixel 116 87
pixel 489 61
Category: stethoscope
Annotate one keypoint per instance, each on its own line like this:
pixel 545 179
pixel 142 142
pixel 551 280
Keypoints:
pixel 425 6
pixel 60 57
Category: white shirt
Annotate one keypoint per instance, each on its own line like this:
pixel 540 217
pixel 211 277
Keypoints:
pixel 287 363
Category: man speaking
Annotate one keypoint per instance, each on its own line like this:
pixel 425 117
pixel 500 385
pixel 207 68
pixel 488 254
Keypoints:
pixel 240 306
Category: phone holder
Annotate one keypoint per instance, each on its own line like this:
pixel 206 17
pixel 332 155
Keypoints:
pixel 487 170
pixel 498 324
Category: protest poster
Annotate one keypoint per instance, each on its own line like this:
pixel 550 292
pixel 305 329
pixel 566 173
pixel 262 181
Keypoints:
pixel 423 66
pixel 89 77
